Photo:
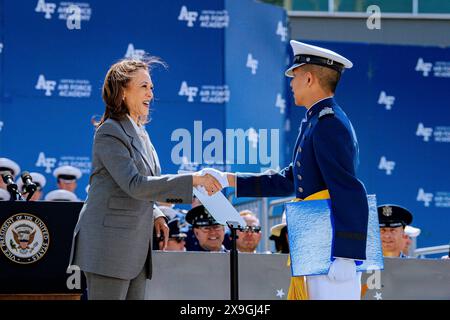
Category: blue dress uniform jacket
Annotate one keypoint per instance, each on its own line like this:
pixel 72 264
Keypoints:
pixel 325 157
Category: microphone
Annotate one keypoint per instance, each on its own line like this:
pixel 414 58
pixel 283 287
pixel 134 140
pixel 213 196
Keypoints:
pixel 28 184
pixel 10 185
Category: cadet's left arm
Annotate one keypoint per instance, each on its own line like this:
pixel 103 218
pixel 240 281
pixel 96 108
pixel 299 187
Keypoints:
pixel 335 152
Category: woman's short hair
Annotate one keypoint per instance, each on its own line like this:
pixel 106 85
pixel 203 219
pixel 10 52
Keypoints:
pixel 116 79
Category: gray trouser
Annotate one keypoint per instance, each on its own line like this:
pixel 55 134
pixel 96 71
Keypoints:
pixel 106 288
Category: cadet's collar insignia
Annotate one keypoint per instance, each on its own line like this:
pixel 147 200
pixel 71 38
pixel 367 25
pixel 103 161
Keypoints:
pixel 387 211
pixel 325 111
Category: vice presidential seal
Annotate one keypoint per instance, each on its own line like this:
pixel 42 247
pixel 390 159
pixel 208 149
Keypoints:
pixel 24 238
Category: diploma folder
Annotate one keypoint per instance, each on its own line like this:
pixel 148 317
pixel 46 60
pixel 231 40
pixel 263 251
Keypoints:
pixel 310 236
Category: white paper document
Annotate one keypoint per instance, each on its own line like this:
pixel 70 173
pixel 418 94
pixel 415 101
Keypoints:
pixel 219 207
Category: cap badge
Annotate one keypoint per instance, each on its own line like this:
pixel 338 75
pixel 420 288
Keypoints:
pixel 387 211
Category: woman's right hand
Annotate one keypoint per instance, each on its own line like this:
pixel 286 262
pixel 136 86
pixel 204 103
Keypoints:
pixel 207 181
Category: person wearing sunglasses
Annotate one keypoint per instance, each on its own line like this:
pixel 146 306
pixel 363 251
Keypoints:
pixel 249 238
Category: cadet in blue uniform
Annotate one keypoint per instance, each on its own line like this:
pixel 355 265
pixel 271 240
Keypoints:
pixel 393 219
pixel 325 157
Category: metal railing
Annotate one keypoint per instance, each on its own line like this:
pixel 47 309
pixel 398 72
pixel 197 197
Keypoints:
pixel 422 252
pixel 334 10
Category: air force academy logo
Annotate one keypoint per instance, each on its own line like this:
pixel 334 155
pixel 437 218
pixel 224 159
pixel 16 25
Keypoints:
pixel 24 238
pixel 47 85
pixel 45 7
pixel 189 16
pixel 190 92
pixel 424 67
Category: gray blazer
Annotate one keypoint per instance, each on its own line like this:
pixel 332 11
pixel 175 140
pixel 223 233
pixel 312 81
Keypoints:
pixel 114 230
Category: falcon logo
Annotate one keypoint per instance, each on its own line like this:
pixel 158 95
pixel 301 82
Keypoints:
pixel 47 85
pixel 133 53
pixel 189 16
pixel 281 31
pixel 47 8
pixel 424 67
pixel 24 238
pixel 424 132
pixel 386 165
pixel 252 63
pixel 47 163
pixel 187 91
pixel 425 197
pixel 280 103
pixel 388 101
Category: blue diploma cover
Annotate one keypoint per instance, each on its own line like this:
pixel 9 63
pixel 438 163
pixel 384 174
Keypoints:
pixel 310 236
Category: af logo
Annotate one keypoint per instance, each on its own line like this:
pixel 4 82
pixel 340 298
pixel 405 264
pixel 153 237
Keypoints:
pixel 424 132
pixel 47 163
pixel 388 101
pixel 187 91
pixel 425 197
pixel 281 31
pixel 133 53
pixel 47 85
pixel 47 8
pixel 280 103
pixel 252 63
pixel 424 67
pixel 24 238
pixel 189 16
pixel 386 165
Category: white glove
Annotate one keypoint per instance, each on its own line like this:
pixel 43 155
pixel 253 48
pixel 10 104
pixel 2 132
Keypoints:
pixel 342 270
pixel 219 175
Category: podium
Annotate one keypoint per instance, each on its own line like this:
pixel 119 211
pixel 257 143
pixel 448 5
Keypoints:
pixel 35 244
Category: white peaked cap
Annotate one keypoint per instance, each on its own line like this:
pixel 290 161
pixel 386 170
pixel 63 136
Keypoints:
pixel 8 163
pixel 308 54
pixel 61 195
pixel 412 231
pixel 67 170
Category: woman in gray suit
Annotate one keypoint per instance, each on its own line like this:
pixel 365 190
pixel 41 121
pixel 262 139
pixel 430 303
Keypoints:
pixel 114 230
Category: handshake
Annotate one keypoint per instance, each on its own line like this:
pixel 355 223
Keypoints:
pixel 212 180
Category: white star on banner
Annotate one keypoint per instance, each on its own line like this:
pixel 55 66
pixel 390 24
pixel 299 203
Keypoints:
pixel 378 296
pixel 280 293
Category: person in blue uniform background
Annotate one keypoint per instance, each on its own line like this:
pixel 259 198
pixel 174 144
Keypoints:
pixel 325 157
pixel 393 219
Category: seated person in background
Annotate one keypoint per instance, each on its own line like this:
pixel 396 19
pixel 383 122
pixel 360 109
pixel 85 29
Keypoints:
pixel 4 195
pixel 249 238
pixel 66 177
pixel 393 219
pixel 209 233
pixel 39 180
pixel 177 238
pixel 410 234
pixel 278 233
pixel 61 195
pixel 10 167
